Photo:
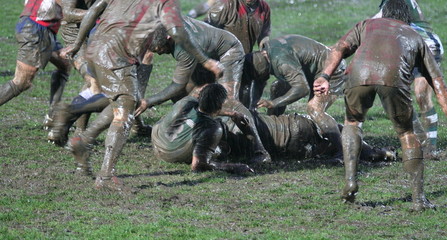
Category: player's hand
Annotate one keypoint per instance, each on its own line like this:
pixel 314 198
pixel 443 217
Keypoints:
pixel 239 168
pixel 239 118
pixel 265 103
pixel 321 86
pixel 69 51
pixel 214 66
pixel 147 58
pixel 142 107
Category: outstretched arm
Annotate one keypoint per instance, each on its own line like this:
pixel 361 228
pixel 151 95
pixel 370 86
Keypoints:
pixel 183 38
pixel 321 84
pixel 169 92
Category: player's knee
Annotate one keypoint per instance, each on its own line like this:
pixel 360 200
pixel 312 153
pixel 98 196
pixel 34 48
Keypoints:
pixel 23 80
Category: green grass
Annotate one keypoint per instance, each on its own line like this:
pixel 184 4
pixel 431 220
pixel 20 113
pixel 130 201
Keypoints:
pixel 42 198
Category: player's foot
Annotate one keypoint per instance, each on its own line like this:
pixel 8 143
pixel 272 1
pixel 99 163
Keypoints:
pixel 349 191
pixel 81 153
pixel 431 153
pixel 388 154
pixel 422 204
pixel 261 157
pixel 112 183
pixel 142 130
pixel 47 122
pixel 61 125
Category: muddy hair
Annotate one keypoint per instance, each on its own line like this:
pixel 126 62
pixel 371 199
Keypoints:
pixel 212 97
pixel 396 9
pixel 160 38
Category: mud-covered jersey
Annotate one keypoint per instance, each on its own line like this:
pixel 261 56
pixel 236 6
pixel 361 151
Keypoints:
pixel 44 12
pixel 249 25
pixel 175 128
pixel 386 51
pixel 294 135
pixel 126 29
pixel 298 59
pixel 215 43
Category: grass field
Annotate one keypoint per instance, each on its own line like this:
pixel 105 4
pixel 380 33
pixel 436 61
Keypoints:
pixel 42 198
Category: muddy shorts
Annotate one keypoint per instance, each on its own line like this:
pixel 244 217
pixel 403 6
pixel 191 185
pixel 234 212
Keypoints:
pixel 117 82
pixel 396 102
pixel 36 43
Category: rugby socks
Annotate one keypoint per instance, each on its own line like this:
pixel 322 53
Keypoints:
pixel 8 91
pixel 58 80
pixel 352 144
pixel 430 123
pixel 418 129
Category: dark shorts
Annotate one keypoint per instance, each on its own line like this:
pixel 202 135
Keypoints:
pixel 396 102
pixel 36 43
pixel 117 82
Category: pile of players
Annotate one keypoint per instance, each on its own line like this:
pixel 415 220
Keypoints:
pixel 111 44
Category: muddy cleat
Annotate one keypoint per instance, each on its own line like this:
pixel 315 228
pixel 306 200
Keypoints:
pixel 422 205
pixel 261 157
pixel 430 152
pixel 81 152
pixel 61 125
pixel 349 191
pixel 336 158
pixel 390 154
pixel 142 130
pixel 112 183
pixel 47 122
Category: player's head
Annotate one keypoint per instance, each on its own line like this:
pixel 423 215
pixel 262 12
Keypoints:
pixel 396 9
pixel 160 41
pixel 211 98
pixel 256 66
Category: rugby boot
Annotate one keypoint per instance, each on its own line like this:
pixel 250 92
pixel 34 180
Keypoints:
pixel 114 184
pixel 140 129
pixel 388 154
pixel 81 152
pixel 63 120
pixel 415 167
pixel 47 122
